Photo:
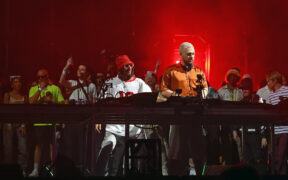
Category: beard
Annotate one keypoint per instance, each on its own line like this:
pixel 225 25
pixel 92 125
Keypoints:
pixel 188 62
pixel 126 74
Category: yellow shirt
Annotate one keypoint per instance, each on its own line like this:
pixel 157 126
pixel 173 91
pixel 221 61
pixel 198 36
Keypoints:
pixel 56 96
pixel 53 89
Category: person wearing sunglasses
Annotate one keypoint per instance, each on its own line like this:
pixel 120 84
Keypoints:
pixel 38 92
pixel 43 93
pixel 113 145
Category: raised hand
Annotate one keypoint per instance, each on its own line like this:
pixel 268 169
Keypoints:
pixel 157 66
pixel 69 62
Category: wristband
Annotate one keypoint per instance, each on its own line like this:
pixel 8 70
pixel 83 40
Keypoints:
pixel 64 70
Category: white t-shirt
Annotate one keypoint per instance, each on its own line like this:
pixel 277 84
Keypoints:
pixel 264 94
pixel 78 94
pixel 124 89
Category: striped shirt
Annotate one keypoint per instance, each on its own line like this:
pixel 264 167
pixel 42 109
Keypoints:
pixel 274 99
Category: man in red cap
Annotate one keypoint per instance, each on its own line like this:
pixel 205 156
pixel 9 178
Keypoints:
pixel 112 149
pixel 125 67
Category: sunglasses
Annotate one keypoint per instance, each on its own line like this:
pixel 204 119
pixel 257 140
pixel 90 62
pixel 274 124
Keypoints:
pixel 42 77
pixel 127 66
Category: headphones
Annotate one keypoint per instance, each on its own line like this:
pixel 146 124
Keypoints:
pixel 187 67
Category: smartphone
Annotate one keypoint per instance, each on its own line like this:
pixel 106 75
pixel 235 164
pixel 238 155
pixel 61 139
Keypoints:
pixel 149 73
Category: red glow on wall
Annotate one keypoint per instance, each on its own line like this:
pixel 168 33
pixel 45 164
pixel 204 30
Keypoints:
pixel 147 31
pixel 207 63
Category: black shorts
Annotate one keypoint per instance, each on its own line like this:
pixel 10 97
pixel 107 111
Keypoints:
pixel 43 134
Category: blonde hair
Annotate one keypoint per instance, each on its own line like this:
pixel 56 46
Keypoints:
pixel 275 75
pixel 184 46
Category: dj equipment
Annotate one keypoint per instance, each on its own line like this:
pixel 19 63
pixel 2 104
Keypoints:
pixel 140 110
pixel 177 111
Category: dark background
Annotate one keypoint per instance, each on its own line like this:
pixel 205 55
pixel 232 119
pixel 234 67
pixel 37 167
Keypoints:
pixel 249 34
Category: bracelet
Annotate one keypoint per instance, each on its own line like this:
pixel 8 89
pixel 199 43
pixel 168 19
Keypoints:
pixel 64 70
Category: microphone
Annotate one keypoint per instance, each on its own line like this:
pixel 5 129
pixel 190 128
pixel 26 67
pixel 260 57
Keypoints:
pixel 178 91
pixel 199 85
pixel 187 67
pixel 199 78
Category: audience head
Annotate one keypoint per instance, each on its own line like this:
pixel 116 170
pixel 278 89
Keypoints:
pixel 233 76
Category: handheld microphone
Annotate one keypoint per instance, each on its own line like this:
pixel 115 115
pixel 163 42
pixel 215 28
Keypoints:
pixel 199 85
pixel 187 67
pixel 199 78
pixel 178 91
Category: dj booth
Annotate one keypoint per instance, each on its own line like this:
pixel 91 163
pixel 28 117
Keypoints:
pixel 178 110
